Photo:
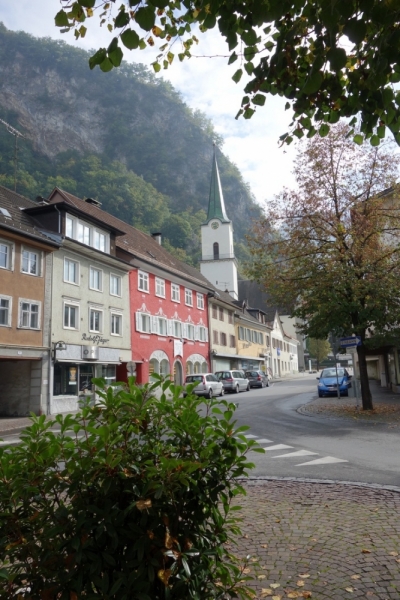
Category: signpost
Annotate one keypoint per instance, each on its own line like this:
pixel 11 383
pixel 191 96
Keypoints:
pixel 348 342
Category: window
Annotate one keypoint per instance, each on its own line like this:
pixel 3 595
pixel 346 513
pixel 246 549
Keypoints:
pixel 5 311
pixel 143 281
pixel 248 335
pixel 69 227
pixel 221 313
pixel 162 326
pixel 177 329
pixel 108 372
pixel 232 341
pixel 160 287
pixel 223 338
pixel 115 285
pixel 116 324
pixel 267 339
pixel 96 279
pixel 83 234
pixel 188 297
pixel 241 333
pixel 71 271
pixel 99 241
pixel 215 337
pixel 216 250
pixel 143 322
pixel 29 314
pixel 200 301
pixel 5 256
pixel 175 292
pixel 190 332
pixel 230 317
pixel 203 336
pixel 95 320
pixel 30 262
pixel 214 311
pixel 71 316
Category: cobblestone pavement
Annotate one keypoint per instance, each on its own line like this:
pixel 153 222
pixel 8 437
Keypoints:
pixel 321 541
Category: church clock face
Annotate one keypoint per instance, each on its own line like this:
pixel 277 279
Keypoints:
pixel 214 225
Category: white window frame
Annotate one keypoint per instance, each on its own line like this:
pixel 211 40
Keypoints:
pixel 118 315
pixel 112 293
pixel 200 301
pixel 96 309
pixel 9 310
pixel 143 282
pixel 190 331
pixel 160 287
pixel 83 233
pixel 76 306
pixel 77 271
pixel 10 255
pixel 175 292
pixel 31 303
pixel 139 322
pixel 38 255
pixel 165 321
pixel 203 333
pixel 176 324
pixel 70 230
pixel 99 235
pixel 188 297
pixel 92 269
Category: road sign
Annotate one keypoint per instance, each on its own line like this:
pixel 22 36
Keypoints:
pixel 348 342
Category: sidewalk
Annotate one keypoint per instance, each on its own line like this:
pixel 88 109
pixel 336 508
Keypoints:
pixel 386 407
pixel 321 541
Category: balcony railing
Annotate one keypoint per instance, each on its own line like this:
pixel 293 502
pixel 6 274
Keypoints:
pixel 218 256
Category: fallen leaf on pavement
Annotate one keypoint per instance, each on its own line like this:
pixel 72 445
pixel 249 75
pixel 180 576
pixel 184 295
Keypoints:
pixel 277 521
pixel 366 551
pixel 247 570
pixel 300 583
pixel 349 589
pixel 275 585
pixel 264 545
pixel 276 597
pixel 294 595
pixel 307 594
pixel 393 553
pixel 261 577
pixel 304 575
pixel 266 592
pixel 355 577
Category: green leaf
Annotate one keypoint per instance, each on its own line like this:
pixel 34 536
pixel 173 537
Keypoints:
pixel 145 17
pixel 156 66
pixel 375 140
pixel 237 75
pixel 355 30
pixel 337 58
pixel 106 65
pixel 87 3
pixel 130 39
pixel 259 99
pixel 249 67
pixel 232 58
pixel 248 113
pixel 61 19
pixel 160 3
pixel 122 18
pixel 116 57
pixel 324 130
pixel 313 83
pixel 97 58
pixel 249 37
pixel 381 131
pixel 358 139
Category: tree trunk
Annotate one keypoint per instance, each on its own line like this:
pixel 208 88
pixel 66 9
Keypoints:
pixel 365 390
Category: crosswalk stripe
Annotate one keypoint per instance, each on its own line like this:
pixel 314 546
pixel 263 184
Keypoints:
pixel 323 461
pixel 249 435
pixel 278 447
pixel 265 441
pixel 297 453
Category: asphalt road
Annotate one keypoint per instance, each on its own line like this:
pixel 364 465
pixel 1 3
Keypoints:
pixel 315 447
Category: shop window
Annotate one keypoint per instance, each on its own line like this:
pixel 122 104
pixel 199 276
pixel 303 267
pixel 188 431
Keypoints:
pixel 65 379
pixel 108 372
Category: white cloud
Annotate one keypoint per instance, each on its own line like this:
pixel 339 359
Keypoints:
pixel 205 84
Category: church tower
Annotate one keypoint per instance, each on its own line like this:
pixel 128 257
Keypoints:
pixel 218 262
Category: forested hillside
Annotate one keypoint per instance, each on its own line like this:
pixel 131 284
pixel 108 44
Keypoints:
pixel 125 138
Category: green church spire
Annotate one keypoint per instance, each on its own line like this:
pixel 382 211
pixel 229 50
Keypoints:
pixel 216 205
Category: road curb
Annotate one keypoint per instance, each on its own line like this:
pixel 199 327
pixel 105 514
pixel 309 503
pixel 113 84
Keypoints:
pixel 374 486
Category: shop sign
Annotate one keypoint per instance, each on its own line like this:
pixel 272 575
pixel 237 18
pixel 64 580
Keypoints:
pixel 94 339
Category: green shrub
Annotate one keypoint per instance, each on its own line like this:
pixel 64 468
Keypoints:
pixel 131 499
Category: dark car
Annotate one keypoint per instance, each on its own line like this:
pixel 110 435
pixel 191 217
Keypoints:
pixel 257 378
pixel 329 380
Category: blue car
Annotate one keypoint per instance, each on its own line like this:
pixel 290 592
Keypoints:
pixel 329 380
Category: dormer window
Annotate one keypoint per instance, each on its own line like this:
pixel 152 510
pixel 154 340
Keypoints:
pixel 87 234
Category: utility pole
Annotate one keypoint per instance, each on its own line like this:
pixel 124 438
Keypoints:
pixel 16 134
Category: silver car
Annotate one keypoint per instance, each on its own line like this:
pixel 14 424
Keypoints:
pixel 208 385
pixel 234 381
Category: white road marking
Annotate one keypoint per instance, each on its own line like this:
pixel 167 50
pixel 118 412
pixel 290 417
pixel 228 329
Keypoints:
pixel 297 453
pixel 249 435
pixel 323 461
pixel 278 447
pixel 265 441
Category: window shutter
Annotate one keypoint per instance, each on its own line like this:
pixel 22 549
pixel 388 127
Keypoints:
pixel 138 327
pixel 154 325
pixel 206 334
pixel 196 332
pixel 170 327
pixel 184 330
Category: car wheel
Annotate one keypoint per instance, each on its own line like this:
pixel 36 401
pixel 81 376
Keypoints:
pixel 262 384
pixel 222 391
pixel 237 389
pixel 248 387
pixel 267 384
pixel 320 395
pixel 210 394
pixel 346 393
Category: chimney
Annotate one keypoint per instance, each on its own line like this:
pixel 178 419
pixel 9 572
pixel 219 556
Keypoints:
pixel 41 200
pixel 157 236
pixel 93 201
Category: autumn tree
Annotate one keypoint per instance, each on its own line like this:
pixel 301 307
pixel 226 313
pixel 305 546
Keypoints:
pixel 318 349
pixel 328 59
pixel 336 260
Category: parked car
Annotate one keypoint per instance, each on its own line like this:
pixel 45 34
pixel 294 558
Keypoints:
pixel 233 381
pixel 257 378
pixel 329 379
pixel 207 385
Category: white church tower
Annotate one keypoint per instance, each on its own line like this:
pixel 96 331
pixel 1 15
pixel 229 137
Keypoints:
pixel 218 262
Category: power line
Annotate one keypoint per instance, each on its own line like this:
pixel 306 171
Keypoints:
pixel 16 134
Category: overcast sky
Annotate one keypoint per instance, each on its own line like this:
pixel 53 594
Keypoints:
pixel 205 83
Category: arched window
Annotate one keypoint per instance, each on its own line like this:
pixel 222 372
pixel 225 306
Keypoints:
pixel 216 250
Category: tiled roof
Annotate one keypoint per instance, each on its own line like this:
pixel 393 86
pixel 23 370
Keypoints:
pixel 134 241
pixel 19 221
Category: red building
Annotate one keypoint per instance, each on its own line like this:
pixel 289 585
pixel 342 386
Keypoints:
pixel 169 310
